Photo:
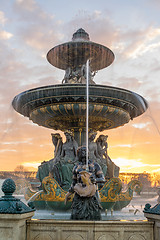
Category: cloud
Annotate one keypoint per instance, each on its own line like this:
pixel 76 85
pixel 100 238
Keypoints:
pixel 2 18
pixel 135 43
pixel 122 145
pixel 128 163
pixel 31 164
pixel 129 83
pixel 39 29
pixel 132 164
pixel 27 141
pixel 99 33
pixel 128 42
pixel 141 125
pixel 5 35
pixel 156 170
pixel 8 150
pixel 154 3
pixel 28 5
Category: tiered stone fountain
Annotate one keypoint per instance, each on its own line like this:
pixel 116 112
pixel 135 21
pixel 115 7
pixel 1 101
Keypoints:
pixel 63 107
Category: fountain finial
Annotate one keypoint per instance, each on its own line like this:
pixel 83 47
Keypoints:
pixel 8 187
pixel 80 34
pixel 10 204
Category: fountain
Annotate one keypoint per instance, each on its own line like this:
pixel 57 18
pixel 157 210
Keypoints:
pixel 63 107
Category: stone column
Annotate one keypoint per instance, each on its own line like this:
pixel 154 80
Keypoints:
pixel 13 214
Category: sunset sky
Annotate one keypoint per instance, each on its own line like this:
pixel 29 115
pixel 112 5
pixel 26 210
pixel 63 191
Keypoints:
pixel 30 28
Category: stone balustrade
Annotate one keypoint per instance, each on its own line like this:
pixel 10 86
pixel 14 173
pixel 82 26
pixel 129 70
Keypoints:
pixel 89 230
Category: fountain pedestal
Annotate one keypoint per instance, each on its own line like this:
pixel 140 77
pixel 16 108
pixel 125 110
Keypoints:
pixel 13 226
pixel 153 215
pixel 13 214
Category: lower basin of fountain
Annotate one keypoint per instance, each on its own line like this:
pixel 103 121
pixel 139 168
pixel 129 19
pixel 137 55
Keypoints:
pixel 132 212
pixel 53 196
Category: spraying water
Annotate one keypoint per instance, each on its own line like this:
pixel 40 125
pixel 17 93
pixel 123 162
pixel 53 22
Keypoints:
pixel 87 109
pixel 33 197
pixel 150 115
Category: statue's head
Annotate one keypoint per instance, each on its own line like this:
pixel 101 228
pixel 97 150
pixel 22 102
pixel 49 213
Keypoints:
pixel 103 138
pixel 92 135
pixel 68 134
pixel 56 135
pixel 81 153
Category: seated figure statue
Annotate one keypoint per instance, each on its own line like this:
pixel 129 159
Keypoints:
pixel 86 201
pixel 62 169
pixel 46 166
pixel 102 146
pixel 57 142
pixel 93 152
pixel 78 75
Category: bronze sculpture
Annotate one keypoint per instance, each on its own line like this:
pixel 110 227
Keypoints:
pixel 102 148
pixel 86 201
pixel 62 169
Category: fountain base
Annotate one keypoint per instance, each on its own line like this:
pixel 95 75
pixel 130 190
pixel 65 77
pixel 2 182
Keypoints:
pixel 52 197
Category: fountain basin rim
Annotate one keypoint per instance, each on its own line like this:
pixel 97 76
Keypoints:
pixel 48 92
pixel 39 104
pixel 62 57
pixel 81 86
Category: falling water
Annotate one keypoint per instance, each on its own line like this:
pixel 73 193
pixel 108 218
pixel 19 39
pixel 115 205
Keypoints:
pixel 33 197
pixel 87 109
pixel 150 115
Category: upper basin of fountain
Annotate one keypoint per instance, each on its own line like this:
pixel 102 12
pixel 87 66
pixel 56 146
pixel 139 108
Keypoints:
pixel 78 51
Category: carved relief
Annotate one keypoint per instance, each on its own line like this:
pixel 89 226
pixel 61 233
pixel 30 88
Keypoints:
pixel 136 237
pixel 74 237
pixel 46 236
pixel 106 237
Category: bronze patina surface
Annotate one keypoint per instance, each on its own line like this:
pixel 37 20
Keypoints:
pixel 64 107
pixel 78 51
